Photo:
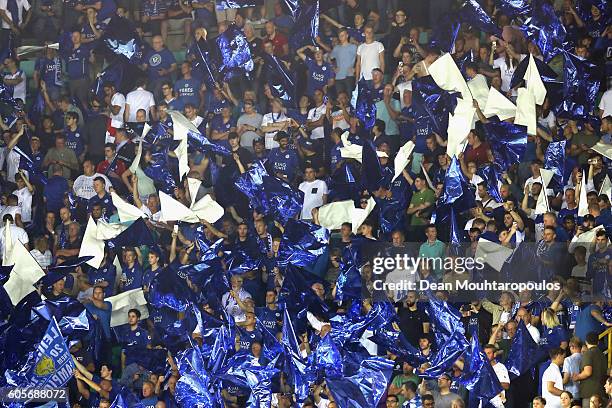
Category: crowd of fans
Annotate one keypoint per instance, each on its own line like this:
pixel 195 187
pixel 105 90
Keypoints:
pixel 86 141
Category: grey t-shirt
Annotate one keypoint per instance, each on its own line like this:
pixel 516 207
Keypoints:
pixel 345 60
pixel 444 401
pixel 246 139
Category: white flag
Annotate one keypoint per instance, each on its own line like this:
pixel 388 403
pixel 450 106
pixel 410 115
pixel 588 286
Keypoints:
pixel 492 253
pixel 359 215
pixel 91 245
pixel 498 104
pixel 332 215
pixel 583 205
pixel 127 212
pixel 26 272
pixel 402 158
pixel 603 149
pixel 606 187
pixel 534 82
pixel 123 302
pixel 526 111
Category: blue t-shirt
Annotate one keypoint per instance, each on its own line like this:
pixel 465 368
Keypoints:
pixel 104 316
pixel 135 340
pixel 188 91
pixel 149 402
pixel 50 71
pixel 77 63
pixel 56 188
pixel 552 338
pixel 585 323
pixel 132 277
pixel 344 55
pixel 219 125
pixel 269 318
pixel 286 162
pixel 74 141
pixel 106 273
pixel 318 75
pixel 106 202
pixel 247 338
pixel 159 60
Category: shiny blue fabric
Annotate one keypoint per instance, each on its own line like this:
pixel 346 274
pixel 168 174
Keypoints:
pixel 121 38
pixel 112 74
pixel 471 13
pixel 546 73
pixel 236 4
pixel 513 8
pixel 444 34
pixel 581 82
pixel 524 352
pixel 280 79
pixel 167 289
pixel 372 176
pixel 269 195
pixel 365 109
pixel 554 159
pixel 200 142
pixel 302 243
pixel 508 142
pixel 456 192
pixel 126 399
pixel 478 374
pixel 328 358
pixel 491 175
pixel 204 64
pixel 136 234
pixel 544 29
pixel 456 235
pixel 159 173
pixel 432 105
pixel 306 27
pixel 235 52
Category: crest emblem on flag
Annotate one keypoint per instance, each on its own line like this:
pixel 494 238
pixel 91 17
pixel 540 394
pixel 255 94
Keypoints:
pixel 45 366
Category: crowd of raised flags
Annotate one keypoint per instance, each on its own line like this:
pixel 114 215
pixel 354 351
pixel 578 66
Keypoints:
pixel 214 288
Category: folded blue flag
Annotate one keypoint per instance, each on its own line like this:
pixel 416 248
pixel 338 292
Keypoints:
pixel 200 142
pixel 135 235
pixel 472 13
pixel 544 29
pixel 365 108
pixel 235 52
pixel 302 243
pixel 167 289
pixel 158 171
pixel 491 174
pixel 280 79
pixel 546 72
pixel 269 195
pixel 126 399
pixel 524 352
pixel 432 105
pixel 581 82
pixel 478 375
pixel 456 192
pixel 306 27
pixel 204 63
pixel 508 142
pixel 120 37
pixel 554 159
pixel 112 74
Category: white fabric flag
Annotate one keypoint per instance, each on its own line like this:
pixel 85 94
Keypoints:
pixel 194 185
pixel 402 158
pixel 183 158
pixel 123 302
pixel 207 209
pixel 332 215
pixel 354 151
pixel 359 215
pixel 26 272
pixel 492 253
pixel 534 82
pixel 127 212
pixel 606 187
pixel 109 231
pixel 459 126
pixel 136 161
pixel 498 104
pixel 542 203
pixel 480 90
pixel 172 210
pixel 447 76
pixel 603 149
pixel 429 183
pixel 546 175
pixel 91 245
pixel 526 111
pixel 181 125
pixel 583 204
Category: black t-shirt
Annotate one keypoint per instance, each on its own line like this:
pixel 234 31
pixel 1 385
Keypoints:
pixel 411 323
pixel 483 321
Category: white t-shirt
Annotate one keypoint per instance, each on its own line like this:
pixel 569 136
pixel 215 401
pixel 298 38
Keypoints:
pixel 369 58
pixel 315 114
pixel 605 104
pixel 313 196
pixel 83 185
pixel 21 4
pixel 552 373
pixel 19 90
pixel 269 118
pixel 118 100
pixel 401 88
pixel 25 204
pixel 502 375
pixel 506 72
pixel 139 99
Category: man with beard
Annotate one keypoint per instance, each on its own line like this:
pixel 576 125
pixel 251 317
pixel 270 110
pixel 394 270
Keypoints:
pixel 414 322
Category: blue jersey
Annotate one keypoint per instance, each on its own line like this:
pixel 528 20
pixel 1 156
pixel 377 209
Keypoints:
pixel 132 277
pixel 269 318
pixel 247 338
pixel 77 63
pixel 135 340
pixel 50 71
pixel 552 338
pixel 74 141
pixel 159 60
pixel 286 163
pixel 318 75
pixel 335 156
pixel 106 202
pixel 188 91
pixel 219 125
pixel 106 273
pixel 149 402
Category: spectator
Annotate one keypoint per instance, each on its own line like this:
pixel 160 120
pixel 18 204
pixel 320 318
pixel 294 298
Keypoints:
pixel 592 370
pixel 370 55
pixel 552 381
pixel 138 99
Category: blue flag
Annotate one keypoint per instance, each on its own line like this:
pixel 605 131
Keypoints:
pixel 524 352
pixel 432 105
pixel 513 8
pixel 112 74
pixel 544 29
pixel 203 63
pixel 200 142
pixel 136 234
pixel 472 13
pixel 302 243
pixel 444 34
pixel 508 142
pixel 554 159
pixel 280 79
pixel 478 375
pixel 269 195
pixel 581 82
pixel 120 38
pixel 306 27
pixel 53 366
pixel 365 109
pixel 546 73
pixel 235 52
pixel 372 175
pixel 492 176
pixel 126 399
pixel 457 192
